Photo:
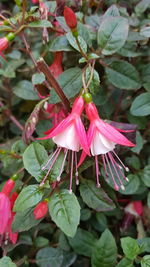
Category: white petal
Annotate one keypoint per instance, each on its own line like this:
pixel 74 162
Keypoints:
pixel 68 139
pixel 101 145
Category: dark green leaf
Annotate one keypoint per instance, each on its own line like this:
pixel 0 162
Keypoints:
pixel 60 43
pixel 29 197
pixel 65 211
pixel 71 83
pixel 146 175
pixel 105 251
pixel 83 242
pixel 112 34
pixel 47 257
pixel 41 23
pixel 141 105
pixel 130 247
pixel 95 197
pixel 72 41
pixel 24 89
pixel 33 158
pixel 123 75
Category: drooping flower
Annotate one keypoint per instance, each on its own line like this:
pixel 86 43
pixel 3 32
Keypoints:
pixel 102 139
pixel 70 17
pixel 56 112
pixel 5 205
pixel 40 210
pixel 69 135
pixel 56 67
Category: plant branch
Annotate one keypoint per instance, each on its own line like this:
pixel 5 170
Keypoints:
pixel 43 67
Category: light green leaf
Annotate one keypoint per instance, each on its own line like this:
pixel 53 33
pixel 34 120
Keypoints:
pixel 60 43
pixel 7 262
pixel 38 78
pixel 105 251
pixel 41 23
pixel 145 262
pixel 130 247
pixel 72 40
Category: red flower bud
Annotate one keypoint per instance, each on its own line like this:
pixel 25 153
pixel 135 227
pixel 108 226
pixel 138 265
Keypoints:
pixel 40 210
pixel 8 187
pixel 70 17
pixel 3 43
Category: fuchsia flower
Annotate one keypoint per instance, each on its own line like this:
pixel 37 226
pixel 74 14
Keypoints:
pixel 56 67
pixel 35 1
pixel 70 17
pixel 102 139
pixel 3 44
pixel 40 210
pixel 69 135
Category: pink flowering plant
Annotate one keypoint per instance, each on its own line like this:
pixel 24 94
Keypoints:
pixel 74 124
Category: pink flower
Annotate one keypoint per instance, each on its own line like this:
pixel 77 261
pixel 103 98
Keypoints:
pixel 40 210
pixel 56 112
pixel 35 1
pixel 69 134
pixel 56 67
pixel 102 139
pixel 5 205
pixel 135 208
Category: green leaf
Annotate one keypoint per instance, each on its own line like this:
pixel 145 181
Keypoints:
pixel 130 247
pixel 105 251
pixel 72 41
pixel 125 262
pixel 71 83
pixel 146 175
pixel 123 75
pixel 139 143
pixel 141 105
pixel 60 43
pixel 83 242
pixel 112 34
pixel 132 186
pixel 33 158
pixel 95 197
pixel 69 259
pixel 49 257
pixel 145 262
pixel 24 89
pixel 7 262
pixel 41 23
pixel 24 220
pixel 65 211
pixel 148 199
pixel 29 197
pixel 142 6
pixel 95 82
pixel 112 11
pixel 38 78
pixel 145 31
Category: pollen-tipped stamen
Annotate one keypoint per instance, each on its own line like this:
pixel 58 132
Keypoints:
pixel 126 168
pixel 55 158
pixel 115 169
pixel 97 172
pixel 120 170
pixel 115 184
pixel 51 157
pixel 62 166
pixel 71 172
pixel 76 173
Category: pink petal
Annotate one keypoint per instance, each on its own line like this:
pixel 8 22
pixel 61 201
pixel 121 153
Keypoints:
pixel 82 135
pixel 82 158
pixel 58 129
pixel 112 134
pixel 5 212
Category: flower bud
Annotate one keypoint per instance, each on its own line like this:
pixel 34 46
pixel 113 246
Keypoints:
pixel 40 210
pixel 70 18
pixel 87 97
pixel 8 187
pixel 3 43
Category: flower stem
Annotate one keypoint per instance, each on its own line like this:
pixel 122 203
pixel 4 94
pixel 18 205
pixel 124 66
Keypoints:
pixel 81 50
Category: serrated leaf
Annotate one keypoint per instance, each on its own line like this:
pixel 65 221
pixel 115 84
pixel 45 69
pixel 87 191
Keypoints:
pixel 83 242
pixel 7 262
pixel 38 78
pixel 49 257
pixel 112 34
pixel 123 75
pixel 33 158
pixel 24 89
pixel 95 197
pixel 71 83
pixel 141 105
pixel 29 197
pixel 130 247
pixel 105 251
pixel 24 220
pixel 125 262
pixel 65 211
pixel 145 262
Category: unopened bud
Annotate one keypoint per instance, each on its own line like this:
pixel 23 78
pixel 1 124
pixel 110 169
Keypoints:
pixel 8 187
pixel 70 18
pixel 41 210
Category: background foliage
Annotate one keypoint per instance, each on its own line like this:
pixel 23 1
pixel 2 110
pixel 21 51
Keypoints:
pixel 116 35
